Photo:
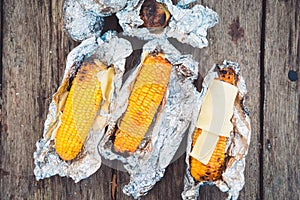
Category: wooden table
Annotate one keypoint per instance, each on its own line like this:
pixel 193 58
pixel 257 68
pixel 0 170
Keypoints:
pixel 263 36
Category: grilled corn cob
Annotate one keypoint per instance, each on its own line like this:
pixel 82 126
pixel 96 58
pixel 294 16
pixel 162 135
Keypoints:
pixel 154 14
pixel 80 110
pixel 146 96
pixel 213 170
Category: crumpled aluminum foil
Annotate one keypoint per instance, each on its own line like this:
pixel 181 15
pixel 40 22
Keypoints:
pixel 80 23
pixel 147 165
pixel 111 50
pixel 187 25
pixel 103 7
pixel 237 146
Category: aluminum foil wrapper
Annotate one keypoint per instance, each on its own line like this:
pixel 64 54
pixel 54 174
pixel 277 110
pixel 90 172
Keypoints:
pixel 81 23
pixel 103 7
pixel 187 25
pixel 237 145
pixel 112 51
pixel 147 165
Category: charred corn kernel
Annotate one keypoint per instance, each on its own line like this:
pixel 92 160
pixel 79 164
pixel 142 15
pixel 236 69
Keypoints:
pixel 154 14
pixel 80 110
pixel 213 170
pixel 227 75
pixel 146 96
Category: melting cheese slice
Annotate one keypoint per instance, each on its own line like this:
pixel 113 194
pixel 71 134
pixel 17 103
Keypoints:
pixel 214 118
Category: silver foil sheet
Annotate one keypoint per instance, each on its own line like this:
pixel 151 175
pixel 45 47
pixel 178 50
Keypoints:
pixel 236 148
pixel 187 25
pixel 112 51
pixel 147 165
pixel 80 23
pixel 84 18
pixel 102 7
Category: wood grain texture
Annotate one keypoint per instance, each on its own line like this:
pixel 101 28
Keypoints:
pixel 237 38
pixel 35 49
pixel 282 107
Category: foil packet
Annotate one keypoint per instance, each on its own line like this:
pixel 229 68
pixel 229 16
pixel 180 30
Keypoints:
pixel 162 19
pixel 147 164
pixel 232 177
pixel 81 23
pixel 102 7
pixel 85 18
pixel 111 51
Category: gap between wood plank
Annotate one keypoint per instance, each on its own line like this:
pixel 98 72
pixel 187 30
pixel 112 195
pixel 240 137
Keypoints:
pixel 114 184
pixel 262 98
pixel 1 48
pixel 1 74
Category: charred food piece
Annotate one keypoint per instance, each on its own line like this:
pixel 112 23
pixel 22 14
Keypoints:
pixel 79 112
pixel 213 170
pixel 154 14
pixel 144 101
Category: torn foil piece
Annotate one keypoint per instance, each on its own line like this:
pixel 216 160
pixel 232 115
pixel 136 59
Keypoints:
pixel 237 145
pixel 187 25
pixel 80 23
pixel 47 162
pixel 147 165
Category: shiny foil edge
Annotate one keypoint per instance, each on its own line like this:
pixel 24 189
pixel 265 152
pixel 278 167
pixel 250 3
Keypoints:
pixel 187 25
pixel 236 147
pixel 47 162
pixel 169 128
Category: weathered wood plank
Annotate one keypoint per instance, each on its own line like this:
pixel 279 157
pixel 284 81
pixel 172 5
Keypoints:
pixel 35 52
pixel 35 48
pixel 236 38
pixel 170 187
pixel 282 101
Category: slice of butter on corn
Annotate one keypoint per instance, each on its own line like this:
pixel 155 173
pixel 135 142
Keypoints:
pixel 217 108
pixel 204 147
pixel 107 87
pixel 214 118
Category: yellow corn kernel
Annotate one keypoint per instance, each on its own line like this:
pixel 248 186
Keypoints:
pixel 213 170
pixel 80 110
pixel 147 94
